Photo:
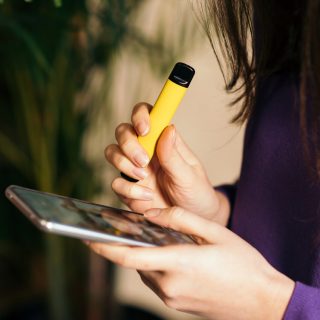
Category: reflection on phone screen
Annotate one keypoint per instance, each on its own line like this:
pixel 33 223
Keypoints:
pixel 95 217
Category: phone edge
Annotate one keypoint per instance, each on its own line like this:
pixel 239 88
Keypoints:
pixel 61 229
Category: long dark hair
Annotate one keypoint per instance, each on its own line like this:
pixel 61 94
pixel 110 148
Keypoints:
pixel 259 38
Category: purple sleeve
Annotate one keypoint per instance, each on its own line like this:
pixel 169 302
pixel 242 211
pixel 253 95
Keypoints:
pixel 304 303
pixel 230 191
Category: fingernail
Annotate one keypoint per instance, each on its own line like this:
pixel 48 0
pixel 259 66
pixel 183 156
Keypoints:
pixel 152 213
pixel 141 159
pixel 143 128
pixel 140 172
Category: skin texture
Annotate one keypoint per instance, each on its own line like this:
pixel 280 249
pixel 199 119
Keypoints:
pixel 220 277
pixel 170 179
pixel 223 278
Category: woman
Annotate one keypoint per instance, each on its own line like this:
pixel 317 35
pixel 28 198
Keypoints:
pixel 260 259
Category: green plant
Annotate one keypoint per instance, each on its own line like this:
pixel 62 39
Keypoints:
pixel 57 3
pixel 47 55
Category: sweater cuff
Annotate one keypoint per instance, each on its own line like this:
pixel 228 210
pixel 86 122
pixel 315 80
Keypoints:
pixel 304 303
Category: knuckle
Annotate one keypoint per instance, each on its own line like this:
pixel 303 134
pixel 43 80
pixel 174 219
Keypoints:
pixel 131 190
pixel 115 185
pixel 127 145
pixel 121 163
pixel 109 151
pixel 121 128
pixel 141 105
pixel 141 109
pixel 115 156
pixel 136 108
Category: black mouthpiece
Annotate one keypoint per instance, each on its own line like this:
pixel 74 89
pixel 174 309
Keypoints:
pixel 182 74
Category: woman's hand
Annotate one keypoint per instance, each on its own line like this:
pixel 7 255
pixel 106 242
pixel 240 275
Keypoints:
pixel 223 278
pixel 174 177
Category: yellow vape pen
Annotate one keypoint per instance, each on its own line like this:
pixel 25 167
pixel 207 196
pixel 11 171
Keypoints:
pixel 165 106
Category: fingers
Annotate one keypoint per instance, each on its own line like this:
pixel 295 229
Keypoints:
pixel 116 157
pixel 140 118
pixel 171 160
pixel 186 222
pixel 186 152
pixel 129 157
pixel 131 190
pixel 129 145
pixel 144 259
pixel 177 143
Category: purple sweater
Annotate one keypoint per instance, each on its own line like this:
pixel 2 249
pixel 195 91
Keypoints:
pixel 275 203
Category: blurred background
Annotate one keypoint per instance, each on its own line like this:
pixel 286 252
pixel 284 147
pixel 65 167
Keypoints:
pixel 70 71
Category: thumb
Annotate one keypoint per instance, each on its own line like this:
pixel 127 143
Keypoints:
pixel 181 220
pixel 169 157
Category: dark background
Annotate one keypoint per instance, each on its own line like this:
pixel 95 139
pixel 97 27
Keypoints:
pixel 48 49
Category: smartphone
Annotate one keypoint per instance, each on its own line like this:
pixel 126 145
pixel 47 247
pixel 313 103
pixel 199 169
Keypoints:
pixel 84 220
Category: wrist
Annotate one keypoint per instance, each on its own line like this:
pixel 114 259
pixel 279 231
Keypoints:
pixel 277 293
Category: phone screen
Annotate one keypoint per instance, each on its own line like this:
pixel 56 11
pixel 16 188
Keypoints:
pixel 98 218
